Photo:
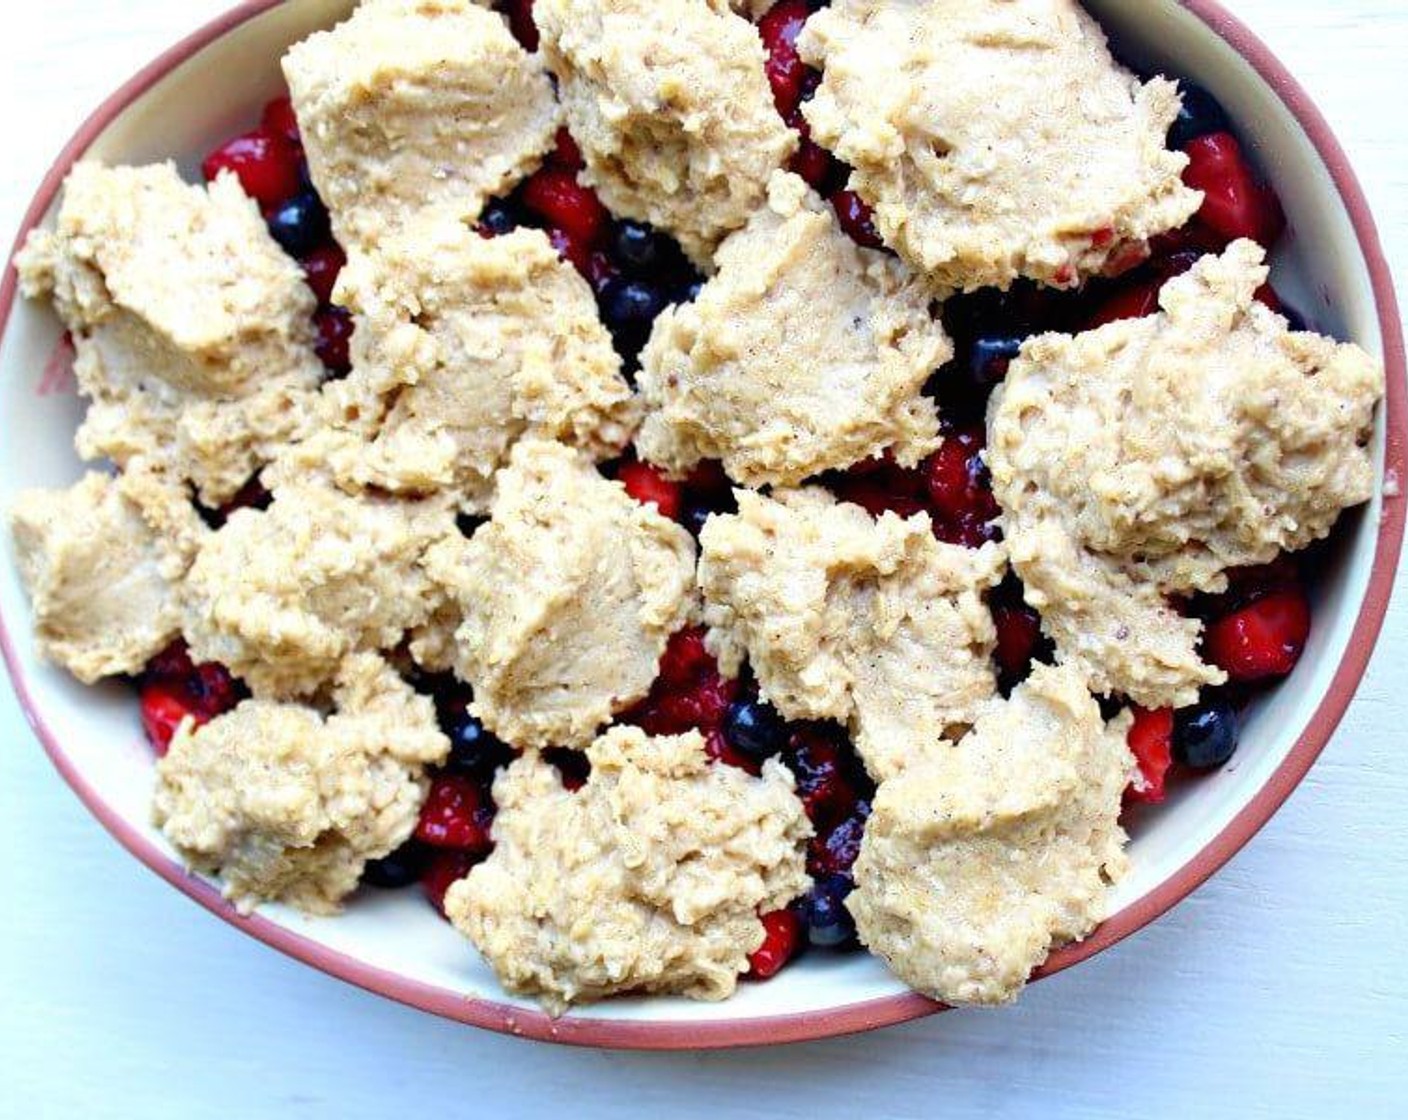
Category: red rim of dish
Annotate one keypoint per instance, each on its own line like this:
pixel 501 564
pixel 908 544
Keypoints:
pixel 884 1011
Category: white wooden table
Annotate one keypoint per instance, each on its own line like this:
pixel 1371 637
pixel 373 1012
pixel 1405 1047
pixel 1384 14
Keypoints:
pixel 1279 990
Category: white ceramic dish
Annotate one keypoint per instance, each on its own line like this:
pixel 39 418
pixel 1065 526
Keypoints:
pixel 1330 266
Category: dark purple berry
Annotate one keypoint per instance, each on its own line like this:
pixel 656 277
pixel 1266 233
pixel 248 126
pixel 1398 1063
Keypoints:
pixel 1205 737
pixel 829 923
pixel 1201 114
pixel 753 728
pixel 401 868
pixel 300 224
pixel 631 305
pixel 638 248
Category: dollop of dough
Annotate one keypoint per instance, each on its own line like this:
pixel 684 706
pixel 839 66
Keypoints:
pixel 979 858
pixel 995 138
pixel 566 598
pixel 281 596
pixel 102 562
pixel 803 353
pixel 1147 457
pixel 649 878
pixel 872 622
pixel 192 328
pixel 669 103
pixel 417 103
pixel 464 345
pixel 288 804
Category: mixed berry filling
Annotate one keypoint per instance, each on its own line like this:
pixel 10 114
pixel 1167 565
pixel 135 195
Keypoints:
pixel 1255 632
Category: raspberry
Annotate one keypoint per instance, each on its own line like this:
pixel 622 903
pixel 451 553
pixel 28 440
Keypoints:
pixel 647 485
pixel 835 852
pixel 704 706
pixel 856 218
pixel 554 194
pixel 782 937
pixel 444 870
pixel 685 659
pixel 266 166
pixel 520 22
pixel 456 814
pixel 1150 740
pixel 1132 303
pixel 163 708
pixel 1018 638
pixel 778 29
pixel 1262 640
pixel 1235 204
pixel 321 268
pixel 565 153
pixel 280 120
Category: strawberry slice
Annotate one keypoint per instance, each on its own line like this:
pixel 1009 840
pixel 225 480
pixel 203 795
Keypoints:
pixel 1264 639
pixel 1235 204
pixel 1150 740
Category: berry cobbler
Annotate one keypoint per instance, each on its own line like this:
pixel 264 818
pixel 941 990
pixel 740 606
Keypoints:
pixel 688 484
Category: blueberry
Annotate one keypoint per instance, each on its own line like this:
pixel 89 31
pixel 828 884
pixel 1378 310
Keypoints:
pixel 300 224
pixel 1206 736
pixel 498 218
pixel 695 516
pixel 473 749
pixel 829 923
pixel 1200 115
pixel 690 292
pixel 638 248
pixel 400 869
pixel 468 524
pixel 631 305
pixel 989 357
pixel 754 728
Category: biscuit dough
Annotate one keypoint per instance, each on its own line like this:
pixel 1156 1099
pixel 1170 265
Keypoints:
pixel 995 138
pixel 101 562
pixel 464 345
pixel 1147 457
pixel 650 877
pixel 191 326
pixel 872 622
pixel 803 353
pixel 979 858
pixel 669 104
pixel 281 596
pixel 412 104
pixel 567 597
pixel 288 804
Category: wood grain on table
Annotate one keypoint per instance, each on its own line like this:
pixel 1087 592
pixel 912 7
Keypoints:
pixel 1278 990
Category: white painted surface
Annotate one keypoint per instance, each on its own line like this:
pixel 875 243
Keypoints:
pixel 1279 989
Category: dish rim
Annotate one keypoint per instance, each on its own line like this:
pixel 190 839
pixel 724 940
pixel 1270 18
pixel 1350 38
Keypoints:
pixel 665 1034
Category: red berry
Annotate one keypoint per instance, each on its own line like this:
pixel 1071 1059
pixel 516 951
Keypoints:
pixel 334 326
pixel 703 706
pixel 574 251
pixel 1262 640
pixel 1131 303
pixel 1234 204
pixel 782 936
pixel 321 268
pixel 814 164
pixel 172 664
pixel 444 870
pixel 565 153
pixel 456 814
pixel 834 852
pixel 685 660
pixel 957 480
pixel 856 219
pixel 1018 635
pixel 555 196
pixel 520 22
pixel 1150 740
pixel 646 484
pixel 279 119
pixel 163 709
pixel 717 747
pixel 778 29
pixel 266 166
